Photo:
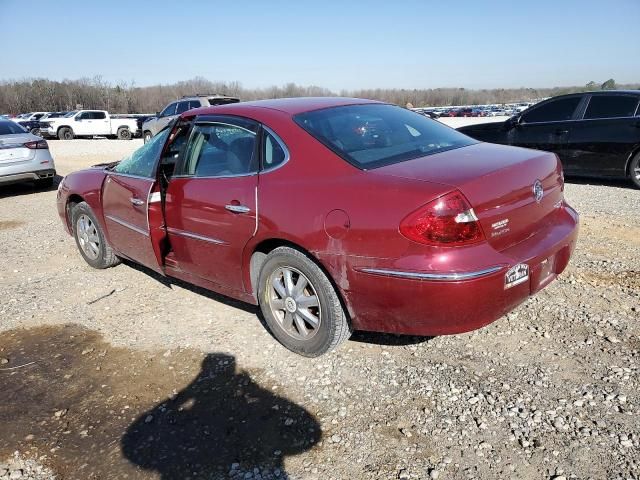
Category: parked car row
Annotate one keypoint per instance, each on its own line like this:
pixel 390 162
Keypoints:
pixel 475 110
pixel 24 156
pixel 593 133
pixel 88 123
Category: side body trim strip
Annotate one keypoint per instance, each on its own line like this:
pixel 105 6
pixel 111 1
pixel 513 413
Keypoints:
pixel 436 276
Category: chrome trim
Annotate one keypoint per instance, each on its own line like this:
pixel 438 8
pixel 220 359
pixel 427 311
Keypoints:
pixel 215 176
pixel 238 208
pixel 255 230
pixel 127 225
pixel 282 145
pixel 442 277
pixel 195 236
pixel 113 172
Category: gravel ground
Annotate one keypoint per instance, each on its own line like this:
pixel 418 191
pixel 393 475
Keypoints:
pixel 548 391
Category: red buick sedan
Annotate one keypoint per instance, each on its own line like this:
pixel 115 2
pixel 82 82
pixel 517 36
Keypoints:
pixel 331 214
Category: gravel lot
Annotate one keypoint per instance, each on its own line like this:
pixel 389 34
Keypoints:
pixel 134 376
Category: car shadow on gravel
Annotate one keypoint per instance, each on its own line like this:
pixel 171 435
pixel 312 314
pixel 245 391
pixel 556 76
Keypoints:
pixel 27 188
pixel 222 423
pixel 601 182
pixel 388 339
pixel 88 409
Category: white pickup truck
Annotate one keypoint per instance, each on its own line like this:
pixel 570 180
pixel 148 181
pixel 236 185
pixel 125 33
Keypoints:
pixel 89 123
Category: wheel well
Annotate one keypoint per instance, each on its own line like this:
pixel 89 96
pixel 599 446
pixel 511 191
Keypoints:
pixel 260 253
pixel 126 127
pixel 630 159
pixel 63 126
pixel 72 201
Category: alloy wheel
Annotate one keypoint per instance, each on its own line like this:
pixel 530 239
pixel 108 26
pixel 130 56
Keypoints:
pixel 294 303
pixel 88 237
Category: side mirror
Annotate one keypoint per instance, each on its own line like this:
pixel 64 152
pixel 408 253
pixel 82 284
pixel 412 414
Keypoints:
pixel 513 122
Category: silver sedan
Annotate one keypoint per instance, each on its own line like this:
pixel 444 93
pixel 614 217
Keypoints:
pixel 24 157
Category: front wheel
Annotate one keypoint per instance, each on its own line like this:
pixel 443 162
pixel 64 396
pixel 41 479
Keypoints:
pixel 90 238
pixel 634 170
pixel 300 305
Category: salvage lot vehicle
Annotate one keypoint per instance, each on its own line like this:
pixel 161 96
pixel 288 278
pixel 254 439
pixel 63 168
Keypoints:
pixel 24 156
pixel 263 201
pixel 89 123
pixel 154 124
pixel 593 133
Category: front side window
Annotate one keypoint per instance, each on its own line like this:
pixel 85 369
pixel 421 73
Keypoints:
pixel 170 110
pixel 142 162
pixel 373 135
pixel 611 106
pixel 553 111
pixel 219 150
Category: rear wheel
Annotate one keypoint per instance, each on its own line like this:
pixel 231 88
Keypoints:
pixel 65 133
pixel 147 136
pixel 634 170
pixel 124 134
pixel 300 304
pixel 90 238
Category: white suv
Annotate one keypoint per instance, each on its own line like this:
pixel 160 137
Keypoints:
pixel 155 124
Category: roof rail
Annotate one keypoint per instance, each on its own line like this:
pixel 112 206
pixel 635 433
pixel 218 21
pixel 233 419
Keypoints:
pixel 205 95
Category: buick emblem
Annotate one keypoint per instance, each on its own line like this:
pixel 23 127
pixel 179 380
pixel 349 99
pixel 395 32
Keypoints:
pixel 538 191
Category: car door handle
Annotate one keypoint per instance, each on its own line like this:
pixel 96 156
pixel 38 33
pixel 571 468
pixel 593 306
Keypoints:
pixel 136 201
pixel 238 208
pixel 561 132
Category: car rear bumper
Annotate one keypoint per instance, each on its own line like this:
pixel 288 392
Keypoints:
pixel 27 176
pixel 409 301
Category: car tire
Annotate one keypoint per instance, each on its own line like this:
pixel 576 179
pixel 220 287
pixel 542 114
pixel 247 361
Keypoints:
pixel 90 238
pixel 44 183
pixel 288 306
pixel 35 131
pixel 634 170
pixel 65 133
pixel 147 136
pixel 124 134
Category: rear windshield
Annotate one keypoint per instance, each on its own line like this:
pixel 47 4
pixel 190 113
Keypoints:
pixel 372 135
pixel 10 128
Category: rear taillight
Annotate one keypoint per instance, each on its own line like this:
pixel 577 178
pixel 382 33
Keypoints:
pixel 37 145
pixel 448 220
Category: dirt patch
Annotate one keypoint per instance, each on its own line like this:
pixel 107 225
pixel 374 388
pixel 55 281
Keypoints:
pixel 7 224
pixel 604 229
pixel 95 411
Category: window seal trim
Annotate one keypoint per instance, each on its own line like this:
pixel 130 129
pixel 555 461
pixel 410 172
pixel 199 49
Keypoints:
pixel 284 147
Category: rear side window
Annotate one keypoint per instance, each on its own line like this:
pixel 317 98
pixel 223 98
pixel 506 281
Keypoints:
pixel 553 111
pixel 10 128
pixel 611 106
pixel 220 150
pixel 182 107
pixel 375 135
pixel 194 104
pixel 97 115
pixel 274 152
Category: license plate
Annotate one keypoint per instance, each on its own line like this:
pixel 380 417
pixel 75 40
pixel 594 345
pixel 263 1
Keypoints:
pixel 516 275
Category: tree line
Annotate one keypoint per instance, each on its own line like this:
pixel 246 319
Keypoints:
pixel 39 94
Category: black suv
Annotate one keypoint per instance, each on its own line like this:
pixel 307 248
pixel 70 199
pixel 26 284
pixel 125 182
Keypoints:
pixel 593 133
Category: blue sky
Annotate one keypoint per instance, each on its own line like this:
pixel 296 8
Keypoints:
pixel 334 44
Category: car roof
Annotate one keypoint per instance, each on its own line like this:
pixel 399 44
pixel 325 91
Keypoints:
pixel 291 106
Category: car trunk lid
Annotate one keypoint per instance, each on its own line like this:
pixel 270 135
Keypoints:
pixel 12 149
pixel 499 181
